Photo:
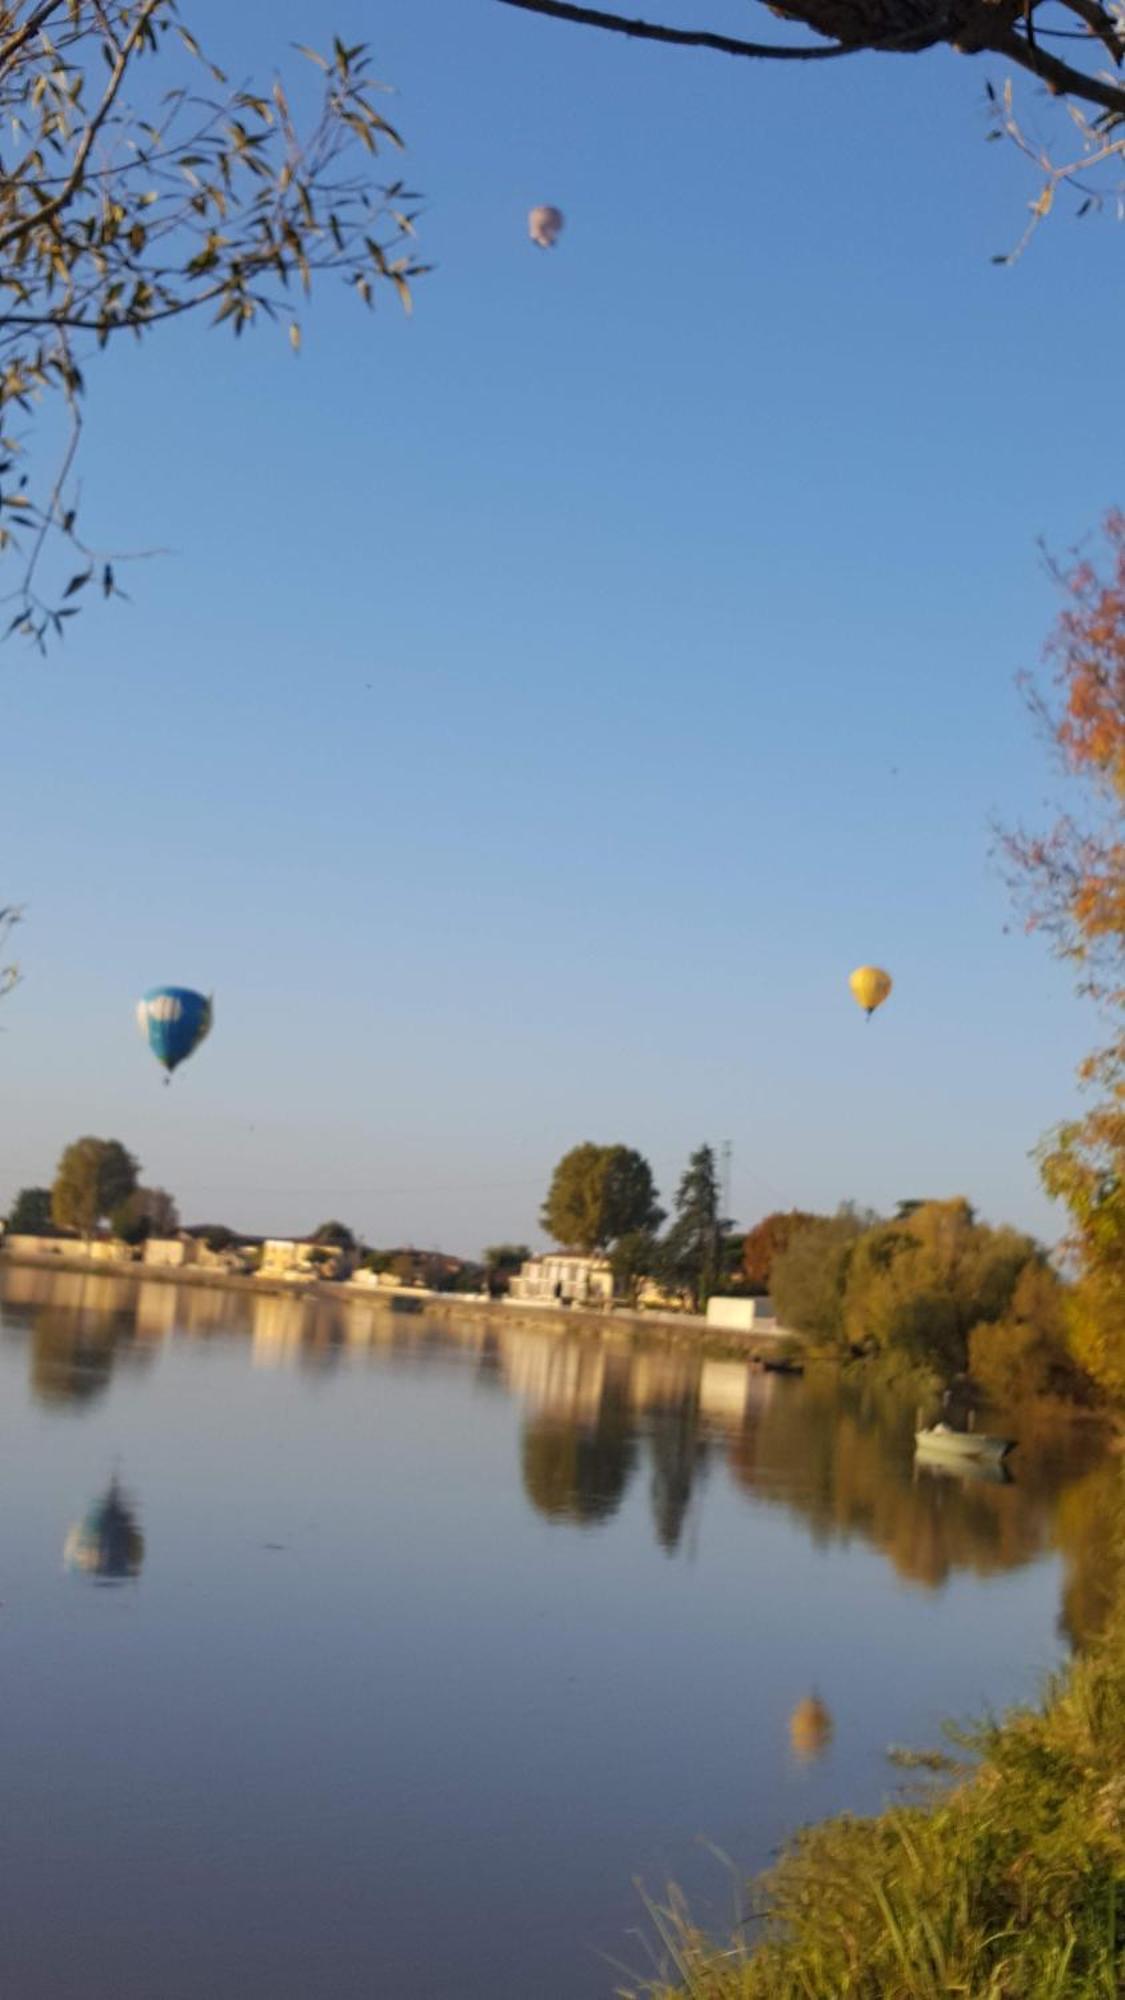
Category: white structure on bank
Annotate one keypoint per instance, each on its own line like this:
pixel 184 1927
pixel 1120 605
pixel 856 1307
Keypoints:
pixel 563 1277
pixel 743 1315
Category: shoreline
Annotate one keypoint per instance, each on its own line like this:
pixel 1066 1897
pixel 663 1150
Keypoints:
pixel 621 1326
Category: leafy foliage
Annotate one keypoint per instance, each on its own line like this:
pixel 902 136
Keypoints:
pixel 30 1213
pixel 767 1240
pixel 1025 1355
pixel 599 1194
pixel 94 1177
pixel 144 1213
pixel 131 197
pixel 1071 882
pixel 634 1257
pixel 809 1276
pixel 1006 1888
pixel 920 1286
pixel 335 1235
pixel 691 1252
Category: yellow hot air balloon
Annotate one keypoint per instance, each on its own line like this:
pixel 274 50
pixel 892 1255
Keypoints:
pixel 870 985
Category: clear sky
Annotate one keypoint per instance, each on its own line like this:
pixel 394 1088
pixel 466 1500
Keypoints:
pixel 550 698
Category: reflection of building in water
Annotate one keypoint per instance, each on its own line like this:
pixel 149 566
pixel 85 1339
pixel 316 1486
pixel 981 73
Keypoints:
pixel 811 1729
pixel 107 1543
pixel 155 1311
pixel 724 1391
pixel 558 1377
pixel 277 1326
pixel 658 1380
pixel 562 1277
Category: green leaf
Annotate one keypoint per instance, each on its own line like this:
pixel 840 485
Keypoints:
pixel 78 582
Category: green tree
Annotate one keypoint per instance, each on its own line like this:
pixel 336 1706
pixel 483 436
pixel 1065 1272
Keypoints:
pixel 1025 1354
pixel 921 1285
pixel 334 1235
pixel 690 1252
pixel 94 1177
pixel 1014 30
pixel 139 187
pixel 598 1194
pixel 807 1278
pixel 501 1262
pixel 634 1257
pixel 144 1213
pixel 30 1213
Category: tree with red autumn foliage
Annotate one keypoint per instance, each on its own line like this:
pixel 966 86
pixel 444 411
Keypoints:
pixel 1071 881
pixel 767 1240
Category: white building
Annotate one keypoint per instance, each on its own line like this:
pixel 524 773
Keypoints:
pixel 743 1315
pixel 563 1277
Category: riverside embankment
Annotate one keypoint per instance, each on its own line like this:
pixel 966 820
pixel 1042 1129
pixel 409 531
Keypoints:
pixel 615 1325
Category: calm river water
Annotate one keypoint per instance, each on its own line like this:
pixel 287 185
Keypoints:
pixel 425 1649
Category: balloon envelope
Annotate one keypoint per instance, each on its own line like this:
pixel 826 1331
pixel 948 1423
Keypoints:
pixel 544 224
pixel 174 1020
pixel 870 986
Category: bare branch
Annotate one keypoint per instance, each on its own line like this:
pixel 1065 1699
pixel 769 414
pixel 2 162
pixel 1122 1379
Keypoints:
pixel 689 38
pixel 1059 76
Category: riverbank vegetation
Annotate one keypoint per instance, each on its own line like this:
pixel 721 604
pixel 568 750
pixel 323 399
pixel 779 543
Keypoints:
pixel 937 1292
pixel 1010 1886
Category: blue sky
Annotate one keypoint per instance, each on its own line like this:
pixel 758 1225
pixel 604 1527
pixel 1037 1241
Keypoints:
pixel 549 699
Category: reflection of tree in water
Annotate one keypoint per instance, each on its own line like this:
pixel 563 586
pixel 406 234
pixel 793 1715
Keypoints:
pixel 575 1470
pixel 72 1351
pixel 843 1461
pixel 678 1457
pixel 107 1543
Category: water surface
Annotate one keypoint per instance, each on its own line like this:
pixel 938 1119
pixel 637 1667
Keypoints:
pixel 412 1648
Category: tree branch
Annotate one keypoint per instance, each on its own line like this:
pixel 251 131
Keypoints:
pixel 1056 74
pixel 691 38
pixel 31 27
pixel 25 224
pixel 1099 24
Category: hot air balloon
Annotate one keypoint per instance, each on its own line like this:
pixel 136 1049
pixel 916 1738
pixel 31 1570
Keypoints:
pixel 174 1020
pixel 870 986
pixel 544 224
pixel 107 1543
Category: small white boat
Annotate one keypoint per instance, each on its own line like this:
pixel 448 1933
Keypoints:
pixel 950 1444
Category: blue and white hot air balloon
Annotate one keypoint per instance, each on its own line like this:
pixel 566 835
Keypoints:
pixel 174 1020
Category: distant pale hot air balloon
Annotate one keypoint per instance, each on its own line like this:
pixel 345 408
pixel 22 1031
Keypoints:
pixel 174 1020
pixel 870 986
pixel 544 225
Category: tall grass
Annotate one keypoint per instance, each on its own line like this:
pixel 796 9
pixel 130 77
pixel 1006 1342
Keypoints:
pixel 1009 1887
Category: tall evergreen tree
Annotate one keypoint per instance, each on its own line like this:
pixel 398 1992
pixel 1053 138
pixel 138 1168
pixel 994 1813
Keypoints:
pixel 691 1249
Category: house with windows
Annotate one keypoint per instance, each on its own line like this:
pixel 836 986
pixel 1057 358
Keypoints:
pixel 563 1278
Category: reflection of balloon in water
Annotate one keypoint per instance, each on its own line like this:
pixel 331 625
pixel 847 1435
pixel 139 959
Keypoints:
pixel 544 225
pixel 810 1728
pixel 870 986
pixel 174 1020
pixel 106 1543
